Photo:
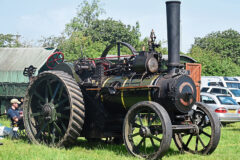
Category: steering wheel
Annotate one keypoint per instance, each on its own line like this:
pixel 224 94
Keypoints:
pixel 108 48
pixel 55 59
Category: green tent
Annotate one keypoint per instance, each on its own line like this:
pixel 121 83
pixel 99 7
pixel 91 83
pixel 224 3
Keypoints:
pixel 12 63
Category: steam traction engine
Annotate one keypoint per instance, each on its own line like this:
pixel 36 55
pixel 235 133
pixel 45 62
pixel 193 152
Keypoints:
pixel 131 98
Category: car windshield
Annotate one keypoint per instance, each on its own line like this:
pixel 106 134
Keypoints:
pixel 204 89
pixel 236 92
pixel 233 85
pixel 227 100
pixel 218 90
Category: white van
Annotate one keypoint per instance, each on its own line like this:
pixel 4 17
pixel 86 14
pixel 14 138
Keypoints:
pixel 229 82
pixel 211 81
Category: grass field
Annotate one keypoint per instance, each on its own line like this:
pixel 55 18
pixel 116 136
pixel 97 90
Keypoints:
pixel 228 149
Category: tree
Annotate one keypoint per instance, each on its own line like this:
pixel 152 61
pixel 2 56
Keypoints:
pixel 86 15
pixel 10 40
pixel 111 31
pixel 87 21
pixel 225 43
pixel 214 64
pixel 78 44
pixel 88 34
pixel 52 41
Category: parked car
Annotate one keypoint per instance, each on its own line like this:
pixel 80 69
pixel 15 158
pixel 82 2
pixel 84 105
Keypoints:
pixel 224 106
pixel 233 92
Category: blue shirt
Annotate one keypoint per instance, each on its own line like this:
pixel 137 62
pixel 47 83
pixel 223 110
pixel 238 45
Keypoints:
pixel 13 113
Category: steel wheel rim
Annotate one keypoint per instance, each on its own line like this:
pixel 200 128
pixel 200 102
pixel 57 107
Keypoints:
pixel 48 114
pixel 199 141
pixel 144 139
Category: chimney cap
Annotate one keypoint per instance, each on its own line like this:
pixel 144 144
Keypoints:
pixel 173 1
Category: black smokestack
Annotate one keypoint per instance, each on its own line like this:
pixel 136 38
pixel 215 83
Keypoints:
pixel 173 30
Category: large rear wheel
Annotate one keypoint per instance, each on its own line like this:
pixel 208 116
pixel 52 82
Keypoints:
pixel 147 130
pixel 54 109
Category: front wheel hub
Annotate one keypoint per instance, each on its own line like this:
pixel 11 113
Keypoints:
pixel 47 110
pixel 145 132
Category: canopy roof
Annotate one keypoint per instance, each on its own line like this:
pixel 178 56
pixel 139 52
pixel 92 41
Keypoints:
pixel 183 58
pixel 14 60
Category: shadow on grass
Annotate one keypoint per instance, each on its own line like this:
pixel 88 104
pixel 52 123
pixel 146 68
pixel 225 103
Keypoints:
pixel 117 149
pixel 172 152
pixel 21 138
pixel 234 129
pixel 230 127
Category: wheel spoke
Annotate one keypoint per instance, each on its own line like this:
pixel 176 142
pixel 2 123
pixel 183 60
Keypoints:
pixel 63 126
pixel 42 128
pixel 140 143
pixel 136 125
pixel 206 125
pixel 134 135
pixel 46 94
pixel 55 92
pixel 61 102
pixel 39 105
pixel 155 137
pixel 50 89
pixel 60 92
pixel 49 134
pixel 196 146
pixel 139 118
pixel 144 145
pixel 62 116
pixel 206 134
pixel 39 96
pixel 201 141
pixel 57 127
pixel 35 114
pixel 153 144
pixel 189 139
pixel 53 135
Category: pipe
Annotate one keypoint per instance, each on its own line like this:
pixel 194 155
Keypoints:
pixel 173 32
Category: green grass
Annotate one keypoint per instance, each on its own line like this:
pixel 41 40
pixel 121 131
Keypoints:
pixel 228 149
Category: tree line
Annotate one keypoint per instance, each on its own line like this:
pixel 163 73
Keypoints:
pixel 88 35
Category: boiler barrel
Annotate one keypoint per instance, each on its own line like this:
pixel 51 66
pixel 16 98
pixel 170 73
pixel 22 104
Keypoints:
pixel 176 94
pixel 122 92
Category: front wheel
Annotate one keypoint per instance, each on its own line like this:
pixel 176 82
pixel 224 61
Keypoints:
pixel 205 138
pixel 147 130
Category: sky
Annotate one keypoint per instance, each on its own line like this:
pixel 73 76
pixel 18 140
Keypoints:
pixel 36 19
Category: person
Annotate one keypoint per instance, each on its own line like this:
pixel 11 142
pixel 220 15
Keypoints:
pixel 14 113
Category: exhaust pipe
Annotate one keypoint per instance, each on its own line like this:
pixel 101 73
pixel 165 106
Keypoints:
pixel 173 33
